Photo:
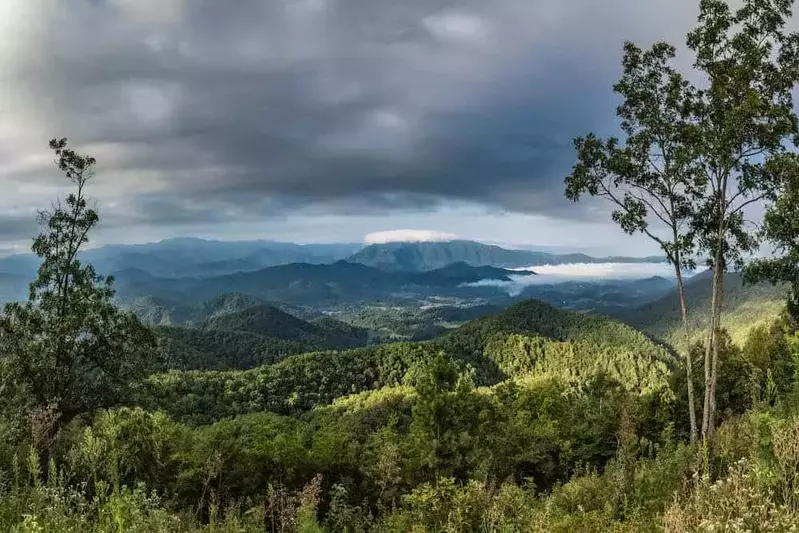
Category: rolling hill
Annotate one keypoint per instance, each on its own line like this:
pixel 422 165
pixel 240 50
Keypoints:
pixel 745 307
pixel 602 296
pixel 258 335
pixel 529 339
pixel 455 274
pixel 532 337
pixel 157 311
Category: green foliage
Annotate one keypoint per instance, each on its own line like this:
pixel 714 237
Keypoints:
pixel 534 420
pixel 532 454
pixel 68 345
pixel 694 158
pixel 204 349
pixel 535 338
pixel 781 227
pixel 296 384
pixel 126 446
pixel 577 362
pixel 532 317
pixel 259 335
pixel 578 347
pixel 449 423
pixel 744 124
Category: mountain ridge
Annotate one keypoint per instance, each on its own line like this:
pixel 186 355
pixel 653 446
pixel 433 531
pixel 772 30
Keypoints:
pixel 529 339
pixel 303 282
pixel 423 256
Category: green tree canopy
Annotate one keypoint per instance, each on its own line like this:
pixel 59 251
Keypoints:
pixel 781 227
pixel 69 347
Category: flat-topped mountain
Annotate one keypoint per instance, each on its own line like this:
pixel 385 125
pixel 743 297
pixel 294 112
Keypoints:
pixel 422 256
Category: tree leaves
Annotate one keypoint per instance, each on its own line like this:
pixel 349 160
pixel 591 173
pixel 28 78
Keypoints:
pixel 69 344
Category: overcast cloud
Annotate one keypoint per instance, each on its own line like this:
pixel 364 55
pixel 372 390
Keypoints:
pixel 226 119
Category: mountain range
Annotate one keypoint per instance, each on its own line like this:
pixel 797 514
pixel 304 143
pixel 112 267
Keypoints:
pixel 302 283
pixel 189 280
pixel 421 256
pixel 192 257
pixel 199 258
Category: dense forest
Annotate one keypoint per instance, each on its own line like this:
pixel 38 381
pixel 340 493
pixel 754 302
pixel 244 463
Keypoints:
pixel 239 414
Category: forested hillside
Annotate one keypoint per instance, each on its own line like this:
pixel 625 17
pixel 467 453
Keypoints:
pixel 310 284
pixel 745 307
pixel 255 336
pixel 529 339
pixel 158 311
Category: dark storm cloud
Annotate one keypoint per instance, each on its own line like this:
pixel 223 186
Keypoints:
pixel 206 110
pixel 13 227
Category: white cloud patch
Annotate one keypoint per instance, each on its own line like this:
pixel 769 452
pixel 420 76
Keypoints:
pixel 408 235
pixel 458 27
pixel 600 271
pixel 554 274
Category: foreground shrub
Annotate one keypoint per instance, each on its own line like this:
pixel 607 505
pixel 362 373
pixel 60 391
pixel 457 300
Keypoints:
pixel 736 503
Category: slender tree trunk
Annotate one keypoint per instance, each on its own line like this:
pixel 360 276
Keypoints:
pixel 708 355
pixel 711 350
pixel 689 367
pixel 714 367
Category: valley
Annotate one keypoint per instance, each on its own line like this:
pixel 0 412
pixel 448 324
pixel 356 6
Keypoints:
pixel 419 301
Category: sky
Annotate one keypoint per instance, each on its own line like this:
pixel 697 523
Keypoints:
pixel 319 120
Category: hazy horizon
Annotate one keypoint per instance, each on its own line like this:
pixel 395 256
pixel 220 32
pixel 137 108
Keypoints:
pixel 365 241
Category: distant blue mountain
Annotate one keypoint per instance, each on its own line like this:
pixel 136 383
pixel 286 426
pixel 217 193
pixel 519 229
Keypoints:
pixel 191 257
pixel 291 272
pixel 422 256
pixel 303 283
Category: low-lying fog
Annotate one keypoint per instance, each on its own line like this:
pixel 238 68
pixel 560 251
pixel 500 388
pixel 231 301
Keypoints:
pixel 585 272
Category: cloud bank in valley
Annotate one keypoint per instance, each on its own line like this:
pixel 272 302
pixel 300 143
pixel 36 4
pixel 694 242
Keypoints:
pixel 600 271
pixel 586 272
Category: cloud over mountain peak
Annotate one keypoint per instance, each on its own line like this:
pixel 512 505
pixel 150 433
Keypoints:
pixel 408 235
